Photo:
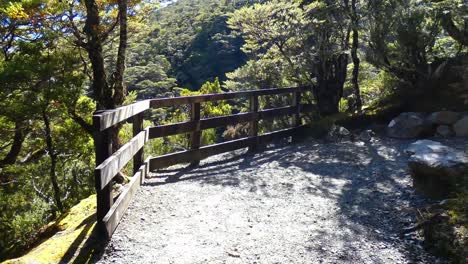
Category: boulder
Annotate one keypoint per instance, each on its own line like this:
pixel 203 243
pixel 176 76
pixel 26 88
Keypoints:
pixel 366 135
pixel 409 125
pixel 437 170
pixel 461 127
pixel 443 118
pixel 338 133
pixel 444 131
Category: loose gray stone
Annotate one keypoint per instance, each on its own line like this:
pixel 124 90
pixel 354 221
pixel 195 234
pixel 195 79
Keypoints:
pixel 293 200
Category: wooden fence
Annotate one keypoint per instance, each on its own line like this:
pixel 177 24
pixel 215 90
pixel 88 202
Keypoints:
pixel 109 212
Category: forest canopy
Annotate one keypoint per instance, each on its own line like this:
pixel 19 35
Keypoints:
pixel 62 60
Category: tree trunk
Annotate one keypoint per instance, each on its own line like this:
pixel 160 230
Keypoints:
pixel 18 139
pixel 53 161
pixel 460 35
pixel 355 58
pixel 118 75
pixel 107 96
pixel 331 76
pixel 101 90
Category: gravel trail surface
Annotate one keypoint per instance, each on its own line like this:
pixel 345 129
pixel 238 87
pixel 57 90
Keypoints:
pixel 311 202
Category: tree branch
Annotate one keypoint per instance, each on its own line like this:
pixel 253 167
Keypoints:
pixel 459 35
pixel 80 121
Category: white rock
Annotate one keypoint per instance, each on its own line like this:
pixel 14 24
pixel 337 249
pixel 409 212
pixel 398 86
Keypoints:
pixel 437 169
pixel 427 146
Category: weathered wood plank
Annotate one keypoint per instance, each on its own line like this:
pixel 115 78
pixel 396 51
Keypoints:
pixel 280 134
pixel 107 170
pixel 137 128
pixel 190 155
pixel 109 118
pixel 117 211
pixel 186 127
pixel 253 132
pixel 104 200
pixel 145 170
pixel 163 102
pixel 195 136
pixel 296 102
pixel 206 151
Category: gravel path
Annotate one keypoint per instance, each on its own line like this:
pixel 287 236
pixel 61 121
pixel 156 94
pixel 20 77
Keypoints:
pixel 312 202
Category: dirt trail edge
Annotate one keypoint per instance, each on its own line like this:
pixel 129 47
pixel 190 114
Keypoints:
pixel 312 202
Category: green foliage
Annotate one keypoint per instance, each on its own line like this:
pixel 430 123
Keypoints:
pixel 194 37
pixel 208 109
pixel 206 46
pixel 405 36
pixel 375 85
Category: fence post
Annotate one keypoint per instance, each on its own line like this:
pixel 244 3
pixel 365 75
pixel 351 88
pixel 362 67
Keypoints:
pixel 254 122
pixel 139 156
pixel 296 102
pixel 195 136
pixel 103 150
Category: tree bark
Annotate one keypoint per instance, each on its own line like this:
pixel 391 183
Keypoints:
pixel 118 77
pixel 354 56
pixel 101 90
pixel 460 35
pixel 107 95
pixel 18 139
pixel 118 85
pixel 331 76
pixel 53 161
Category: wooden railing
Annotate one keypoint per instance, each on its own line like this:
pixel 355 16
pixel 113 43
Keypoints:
pixel 109 212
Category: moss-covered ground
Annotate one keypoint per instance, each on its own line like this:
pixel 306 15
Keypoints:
pixel 73 241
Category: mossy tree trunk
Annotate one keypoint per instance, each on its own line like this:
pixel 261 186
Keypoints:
pixel 331 76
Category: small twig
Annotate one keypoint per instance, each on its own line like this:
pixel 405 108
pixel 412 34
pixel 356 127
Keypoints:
pixel 420 214
pixel 7 183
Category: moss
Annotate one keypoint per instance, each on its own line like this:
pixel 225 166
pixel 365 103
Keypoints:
pixel 73 231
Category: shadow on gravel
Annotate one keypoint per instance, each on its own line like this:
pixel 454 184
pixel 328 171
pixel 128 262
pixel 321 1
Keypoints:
pixel 374 198
pixel 377 198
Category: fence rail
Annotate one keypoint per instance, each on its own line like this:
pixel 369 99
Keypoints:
pixel 110 164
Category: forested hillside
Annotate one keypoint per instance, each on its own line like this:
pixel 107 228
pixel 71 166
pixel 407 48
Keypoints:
pixel 61 60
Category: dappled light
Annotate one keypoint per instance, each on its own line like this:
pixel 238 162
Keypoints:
pixel 344 202
pixel 234 131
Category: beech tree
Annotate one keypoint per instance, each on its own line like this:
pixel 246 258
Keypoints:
pixel 310 38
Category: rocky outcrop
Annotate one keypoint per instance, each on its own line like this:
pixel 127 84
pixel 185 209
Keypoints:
pixel 444 131
pixel 461 127
pixel 443 118
pixel 437 170
pixel 408 125
pixel 419 125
